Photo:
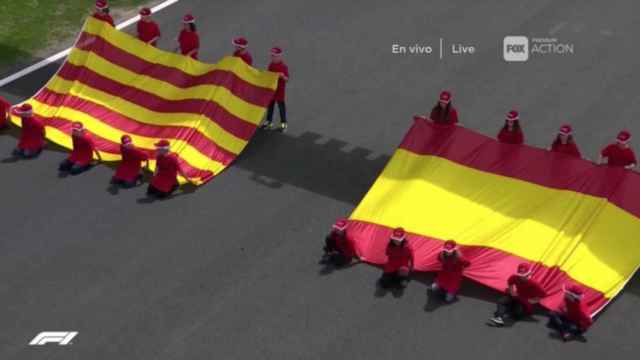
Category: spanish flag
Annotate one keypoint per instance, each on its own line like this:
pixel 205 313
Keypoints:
pixel 573 221
pixel 115 84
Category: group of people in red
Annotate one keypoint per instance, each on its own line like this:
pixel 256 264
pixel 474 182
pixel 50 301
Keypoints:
pixel 618 153
pixel 81 158
pixel 189 45
pixel 522 291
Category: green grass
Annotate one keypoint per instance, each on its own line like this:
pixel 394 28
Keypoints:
pixel 34 29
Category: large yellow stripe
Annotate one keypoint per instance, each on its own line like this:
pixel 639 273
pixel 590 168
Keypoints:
pixel 590 239
pixel 219 94
pixel 145 116
pixel 187 152
pixel 190 66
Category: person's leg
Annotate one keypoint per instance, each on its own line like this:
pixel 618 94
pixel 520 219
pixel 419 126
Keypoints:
pixel 152 191
pixel 502 310
pixel 386 280
pixel 32 154
pixel 78 169
pixel 449 297
pixel 65 165
pixel 268 123
pixel 283 115
pixel 17 152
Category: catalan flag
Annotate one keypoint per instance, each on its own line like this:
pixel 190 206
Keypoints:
pixel 115 84
pixel 505 204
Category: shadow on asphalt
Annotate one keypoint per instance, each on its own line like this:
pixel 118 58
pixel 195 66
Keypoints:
pixel 276 159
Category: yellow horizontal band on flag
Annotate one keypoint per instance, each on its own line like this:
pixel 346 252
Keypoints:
pixel 590 239
pixel 222 96
pixel 126 42
pixel 187 152
pixel 208 128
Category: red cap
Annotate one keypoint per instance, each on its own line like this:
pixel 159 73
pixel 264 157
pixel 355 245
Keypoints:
pixel 102 4
pixel 623 136
pixel 145 11
pixel 574 291
pixel 125 139
pixel 276 51
pixel 24 110
pixel 524 269
pixel 445 97
pixel 513 115
pixel 566 129
pixel 340 224
pixel 240 42
pixel 163 144
pixel 450 246
pixel 398 234
pixel 188 19
pixel 77 125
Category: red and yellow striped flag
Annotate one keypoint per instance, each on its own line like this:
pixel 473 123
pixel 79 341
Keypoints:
pixel 115 84
pixel 505 204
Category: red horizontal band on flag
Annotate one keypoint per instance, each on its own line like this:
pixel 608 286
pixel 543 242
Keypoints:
pixel 526 163
pixel 216 113
pixel 130 126
pixel 248 92
pixel 489 266
pixel 108 146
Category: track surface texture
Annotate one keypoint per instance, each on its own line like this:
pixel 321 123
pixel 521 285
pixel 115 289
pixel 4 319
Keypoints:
pixel 230 270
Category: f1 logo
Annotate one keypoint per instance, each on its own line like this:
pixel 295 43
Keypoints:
pixel 60 337
pixel 516 48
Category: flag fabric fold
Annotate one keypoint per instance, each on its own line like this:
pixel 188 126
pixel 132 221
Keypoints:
pixel 574 221
pixel 115 84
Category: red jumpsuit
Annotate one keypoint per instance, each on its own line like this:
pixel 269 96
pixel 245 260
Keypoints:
pixel 245 56
pixel 438 115
pixel 569 148
pixel 83 149
pixel 398 258
pixel 617 156
pixel 165 178
pixel 343 243
pixel 189 40
pixel 526 289
pixel 131 164
pixel 104 17
pixel 32 135
pixel 511 137
pixel 282 68
pixel 577 313
pixel 4 109
pixel 450 277
pixel 147 31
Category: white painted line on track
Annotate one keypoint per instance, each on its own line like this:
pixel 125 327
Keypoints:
pixel 53 58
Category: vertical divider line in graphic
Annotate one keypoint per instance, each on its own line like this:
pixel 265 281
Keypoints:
pixel 441 47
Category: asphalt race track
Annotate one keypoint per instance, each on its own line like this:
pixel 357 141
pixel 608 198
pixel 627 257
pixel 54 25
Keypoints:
pixel 230 270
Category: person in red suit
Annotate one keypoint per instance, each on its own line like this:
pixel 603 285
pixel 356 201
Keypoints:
pixel 522 294
pixel 443 113
pixel 511 132
pixel 165 178
pixel 573 319
pixel 148 30
pixel 564 142
pixel 128 173
pixel 31 140
pixel 399 261
pixel 79 160
pixel 338 248
pixel 449 278
pixel 5 107
pixel 277 65
pixel 240 44
pixel 102 12
pixel 619 153
pixel 188 40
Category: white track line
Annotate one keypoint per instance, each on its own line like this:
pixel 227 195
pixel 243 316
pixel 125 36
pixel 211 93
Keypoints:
pixel 63 53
